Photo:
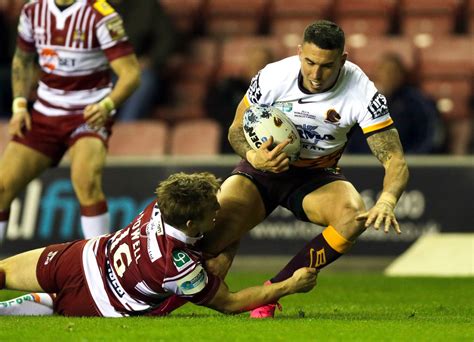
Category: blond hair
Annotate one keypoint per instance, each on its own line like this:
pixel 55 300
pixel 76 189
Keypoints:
pixel 184 197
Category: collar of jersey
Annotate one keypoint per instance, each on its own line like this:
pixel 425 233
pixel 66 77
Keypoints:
pixel 179 235
pixel 68 11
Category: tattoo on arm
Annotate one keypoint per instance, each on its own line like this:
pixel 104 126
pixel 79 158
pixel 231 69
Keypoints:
pixel 238 141
pixel 22 69
pixel 385 145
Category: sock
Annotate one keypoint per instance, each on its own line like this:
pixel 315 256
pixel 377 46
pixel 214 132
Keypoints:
pixel 95 220
pixel 4 216
pixel 31 304
pixel 319 252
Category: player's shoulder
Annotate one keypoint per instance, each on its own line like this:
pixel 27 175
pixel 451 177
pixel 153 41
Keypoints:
pixel 285 68
pixel 31 4
pixel 357 82
pixel 101 8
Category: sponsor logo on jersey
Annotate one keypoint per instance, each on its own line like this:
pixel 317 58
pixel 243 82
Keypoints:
pixel 378 106
pixel 285 107
pixel 49 59
pixel 254 92
pixel 194 282
pixel 115 28
pixel 103 7
pixel 114 283
pixel 308 132
pixel 50 257
pixel 181 259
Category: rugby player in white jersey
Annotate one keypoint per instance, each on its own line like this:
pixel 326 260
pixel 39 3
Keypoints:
pixel 325 96
pixel 146 268
pixel 78 42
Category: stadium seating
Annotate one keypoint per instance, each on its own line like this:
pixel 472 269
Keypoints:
pixel 185 14
pixel 234 53
pixel 365 17
pixel 142 138
pixel 290 17
pixel 367 52
pixel 195 137
pixel 234 17
pixel 434 17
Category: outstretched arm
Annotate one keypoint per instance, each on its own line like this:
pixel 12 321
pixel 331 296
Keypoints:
pixel 303 280
pixel 387 148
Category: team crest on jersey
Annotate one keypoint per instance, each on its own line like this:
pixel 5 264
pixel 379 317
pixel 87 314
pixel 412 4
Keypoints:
pixel 79 36
pixel 378 106
pixel 181 260
pixel 255 93
pixel 332 117
pixel 115 28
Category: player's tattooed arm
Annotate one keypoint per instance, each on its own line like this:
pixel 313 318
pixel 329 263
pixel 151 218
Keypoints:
pixel 386 146
pixel 22 71
pixel 236 132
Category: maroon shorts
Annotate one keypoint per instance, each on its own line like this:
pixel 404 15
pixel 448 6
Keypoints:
pixel 53 135
pixel 60 271
pixel 288 188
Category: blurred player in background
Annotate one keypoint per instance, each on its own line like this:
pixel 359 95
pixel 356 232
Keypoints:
pixel 78 42
pixel 325 96
pixel 139 269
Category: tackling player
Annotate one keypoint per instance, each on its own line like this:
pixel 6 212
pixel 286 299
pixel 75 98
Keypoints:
pixel 325 96
pixel 77 42
pixel 139 269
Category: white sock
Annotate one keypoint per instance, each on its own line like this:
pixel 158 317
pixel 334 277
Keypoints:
pixel 3 230
pixel 93 226
pixel 31 304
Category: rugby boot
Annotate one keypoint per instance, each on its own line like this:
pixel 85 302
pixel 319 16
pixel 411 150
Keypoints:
pixel 265 311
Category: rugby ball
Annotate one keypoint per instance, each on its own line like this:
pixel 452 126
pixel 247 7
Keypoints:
pixel 261 122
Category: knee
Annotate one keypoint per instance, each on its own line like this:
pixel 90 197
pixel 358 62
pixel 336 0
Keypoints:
pixel 347 224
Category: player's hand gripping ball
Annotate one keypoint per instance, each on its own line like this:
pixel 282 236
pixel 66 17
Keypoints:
pixel 261 122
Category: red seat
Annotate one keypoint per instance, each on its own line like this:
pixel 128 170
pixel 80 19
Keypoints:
pixel 235 53
pixel 435 17
pixel 139 138
pixel 366 17
pixel 292 16
pixel 196 137
pixel 234 17
pixel 447 57
pixel 185 13
pixel 367 53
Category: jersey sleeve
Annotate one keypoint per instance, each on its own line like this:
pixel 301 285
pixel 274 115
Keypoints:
pixel 25 39
pixel 193 282
pixel 261 89
pixel 111 33
pixel 374 115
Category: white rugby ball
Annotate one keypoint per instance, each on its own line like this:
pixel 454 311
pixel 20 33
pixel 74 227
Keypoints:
pixel 261 122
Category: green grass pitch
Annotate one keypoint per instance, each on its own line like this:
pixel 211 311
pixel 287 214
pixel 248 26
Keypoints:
pixel 343 307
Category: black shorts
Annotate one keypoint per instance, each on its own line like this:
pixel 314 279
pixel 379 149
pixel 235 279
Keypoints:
pixel 288 188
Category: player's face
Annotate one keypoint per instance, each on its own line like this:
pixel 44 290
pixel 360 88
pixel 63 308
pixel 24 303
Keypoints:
pixel 319 67
pixel 208 222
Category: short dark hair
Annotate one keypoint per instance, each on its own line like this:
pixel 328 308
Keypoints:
pixel 325 34
pixel 184 197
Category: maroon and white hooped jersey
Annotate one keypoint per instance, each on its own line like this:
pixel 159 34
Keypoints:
pixel 74 46
pixel 135 269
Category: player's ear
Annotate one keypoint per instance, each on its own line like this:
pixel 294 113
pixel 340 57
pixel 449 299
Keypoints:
pixel 343 58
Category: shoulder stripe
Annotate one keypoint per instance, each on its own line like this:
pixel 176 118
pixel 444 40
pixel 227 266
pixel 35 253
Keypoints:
pixel 378 126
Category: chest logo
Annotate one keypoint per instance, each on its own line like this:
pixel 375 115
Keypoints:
pixel 332 117
pixel 308 132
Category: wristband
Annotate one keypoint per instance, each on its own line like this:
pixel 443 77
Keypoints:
pixel 20 104
pixel 108 104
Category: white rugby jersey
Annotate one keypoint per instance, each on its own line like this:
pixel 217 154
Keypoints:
pixel 74 48
pixel 134 270
pixel 323 120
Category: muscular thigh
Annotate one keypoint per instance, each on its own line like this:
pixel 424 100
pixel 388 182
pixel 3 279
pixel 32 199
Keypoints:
pixel 336 204
pixel 242 209
pixel 20 164
pixel 87 155
pixel 20 271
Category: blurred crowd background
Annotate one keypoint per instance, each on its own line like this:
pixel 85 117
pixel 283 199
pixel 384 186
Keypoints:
pixel 198 57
